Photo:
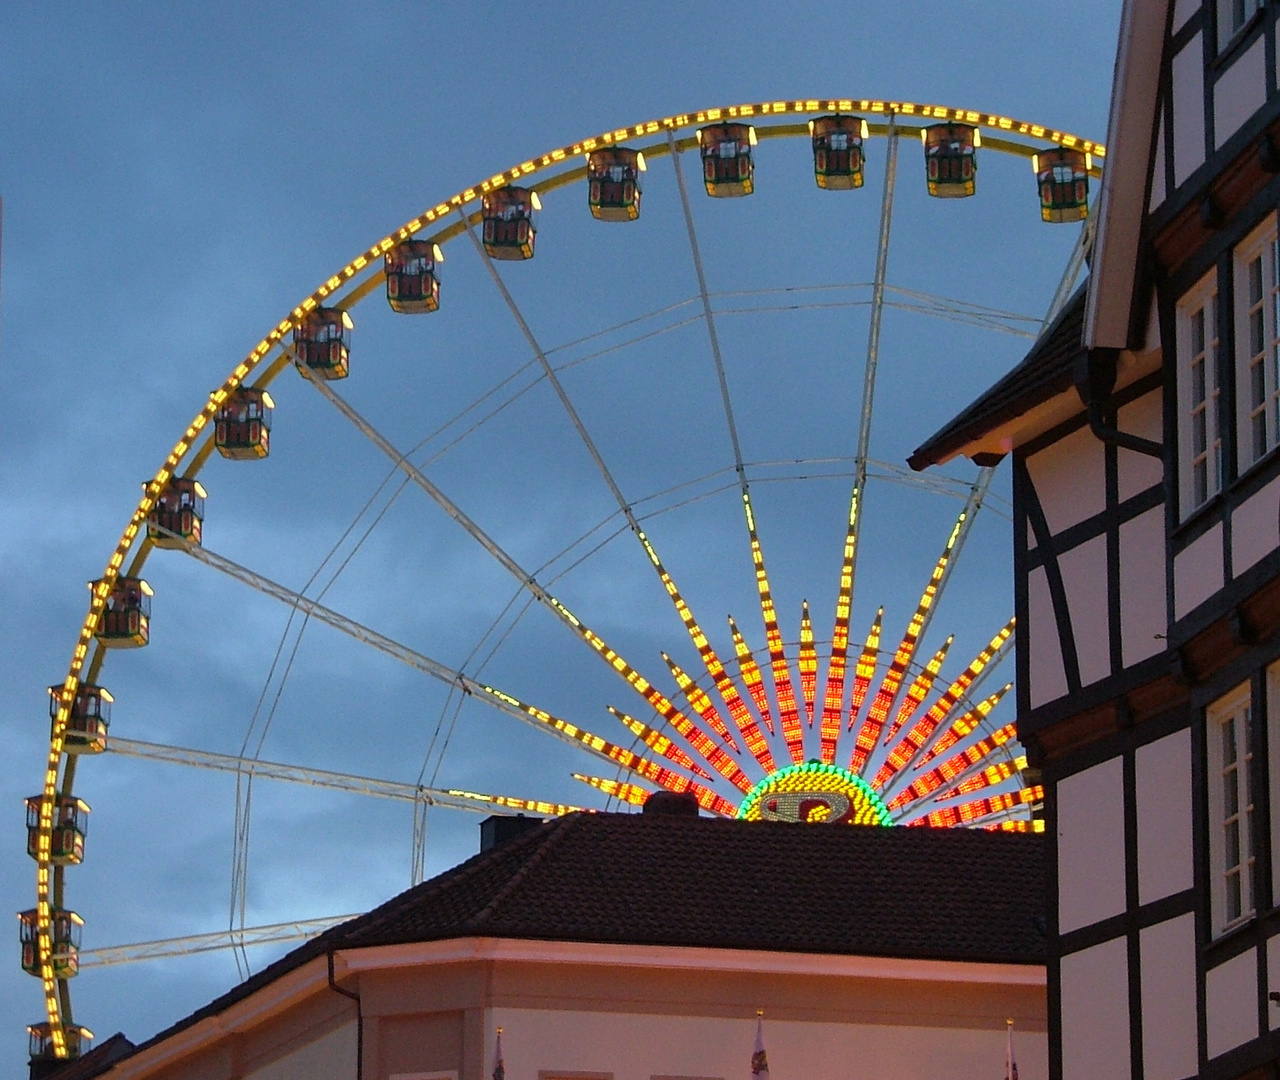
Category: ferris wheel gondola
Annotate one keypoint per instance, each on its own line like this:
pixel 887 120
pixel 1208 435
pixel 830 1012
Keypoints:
pixel 884 742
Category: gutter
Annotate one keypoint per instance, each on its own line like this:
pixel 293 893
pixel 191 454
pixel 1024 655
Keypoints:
pixel 1094 375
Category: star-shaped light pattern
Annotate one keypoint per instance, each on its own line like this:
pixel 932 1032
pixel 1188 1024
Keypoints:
pixel 879 755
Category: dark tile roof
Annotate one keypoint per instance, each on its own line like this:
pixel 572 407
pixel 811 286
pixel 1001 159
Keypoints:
pixel 1044 372
pixel 94 1063
pixel 637 879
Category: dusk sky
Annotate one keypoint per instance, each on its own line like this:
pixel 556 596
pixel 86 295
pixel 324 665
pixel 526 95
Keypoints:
pixel 176 177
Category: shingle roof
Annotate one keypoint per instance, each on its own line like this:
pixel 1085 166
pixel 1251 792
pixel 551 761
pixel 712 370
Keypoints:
pixel 1044 372
pixel 944 894
pixel 89 1065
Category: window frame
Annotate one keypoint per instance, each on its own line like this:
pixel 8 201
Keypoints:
pixel 1228 29
pixel 1205 339
pixel 1257 343
pixel 1237 708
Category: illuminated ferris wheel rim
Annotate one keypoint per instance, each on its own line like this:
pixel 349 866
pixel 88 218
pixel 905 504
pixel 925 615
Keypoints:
pixel 353 283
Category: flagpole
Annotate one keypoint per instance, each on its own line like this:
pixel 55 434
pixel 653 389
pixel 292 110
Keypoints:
pixel 759 1060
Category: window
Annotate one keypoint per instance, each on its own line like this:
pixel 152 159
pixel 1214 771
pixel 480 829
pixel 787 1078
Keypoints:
pixel 1200 437
pixel 1257 345
pixel 1233 15
pixel 1230 808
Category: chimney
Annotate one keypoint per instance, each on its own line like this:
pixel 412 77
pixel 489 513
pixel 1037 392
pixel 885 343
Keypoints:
pixel 670 804
pixel 499 828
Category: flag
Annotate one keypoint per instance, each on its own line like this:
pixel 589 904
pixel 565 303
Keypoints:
pixel 1010 1065
pixel 759 1062
pixel 499 1069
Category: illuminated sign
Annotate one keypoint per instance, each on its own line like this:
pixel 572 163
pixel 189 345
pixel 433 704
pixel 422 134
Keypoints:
pixel 815 793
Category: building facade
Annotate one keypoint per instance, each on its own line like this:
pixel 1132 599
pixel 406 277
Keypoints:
pixel 640 947
pixel 1143 429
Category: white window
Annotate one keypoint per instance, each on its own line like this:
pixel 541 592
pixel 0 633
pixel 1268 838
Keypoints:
pixel 1230 808
pixel 1257 345
pixel 1199 435
pixel 1233 15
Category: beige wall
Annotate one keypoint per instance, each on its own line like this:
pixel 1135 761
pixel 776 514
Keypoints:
pixel 826 1017
pixel 638 1046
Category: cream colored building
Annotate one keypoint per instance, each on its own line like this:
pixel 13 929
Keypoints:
pixel 635 947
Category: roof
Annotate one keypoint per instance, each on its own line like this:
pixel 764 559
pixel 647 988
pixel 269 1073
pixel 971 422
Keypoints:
pixel 650 879
pixel 89 1065
pixel 1043 374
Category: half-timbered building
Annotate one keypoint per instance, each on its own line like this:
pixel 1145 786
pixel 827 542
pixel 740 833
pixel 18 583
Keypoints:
pixel 1143 429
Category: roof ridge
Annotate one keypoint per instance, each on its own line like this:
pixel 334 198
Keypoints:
pixel 557 830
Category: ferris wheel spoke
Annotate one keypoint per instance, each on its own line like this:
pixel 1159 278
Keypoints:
pixel 629 674
pixel 838 658
pixel 971 777
pixel 780 668
pixel 700 641
pixel 1076 261
pixel 550 374
pixel 191 944
pixel 928 729
pixel 934 782
pixel 296 774
pixel 490 695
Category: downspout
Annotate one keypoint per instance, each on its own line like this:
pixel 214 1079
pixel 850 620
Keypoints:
pixel 1094 375
pixel 359 1019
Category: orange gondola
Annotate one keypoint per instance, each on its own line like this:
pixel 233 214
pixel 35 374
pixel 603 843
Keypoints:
pixel 837 151
pixel 509 231
pixel 613 183
pixel 412 285
pixel 322 342
pixel 242 425
pixel 950 158
pixel 728 168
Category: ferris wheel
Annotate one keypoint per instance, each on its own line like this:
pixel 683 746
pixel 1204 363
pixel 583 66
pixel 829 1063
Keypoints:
pixel 821 722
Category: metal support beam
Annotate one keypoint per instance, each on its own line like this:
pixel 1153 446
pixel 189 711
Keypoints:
pixel 162 948
pixel 873 338
pixel 294 774
pixel 488 694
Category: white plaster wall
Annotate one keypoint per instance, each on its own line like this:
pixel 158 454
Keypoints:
pixel 1095 1013
pixel 1162 791
pixel 1091 845
pixel 638 1046
pixel 331 1057
pixel 1240 92
pixel 1084 577
pixel 1231 1003
pixel 1143 613
pixel 1168 958
pixel 1048 680
pixel 1145 417
pixel 1182 11
pixel 1158 173
pixel 1197 572
pixel 1069 479
pixel 1255 527
pixel 1188 110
